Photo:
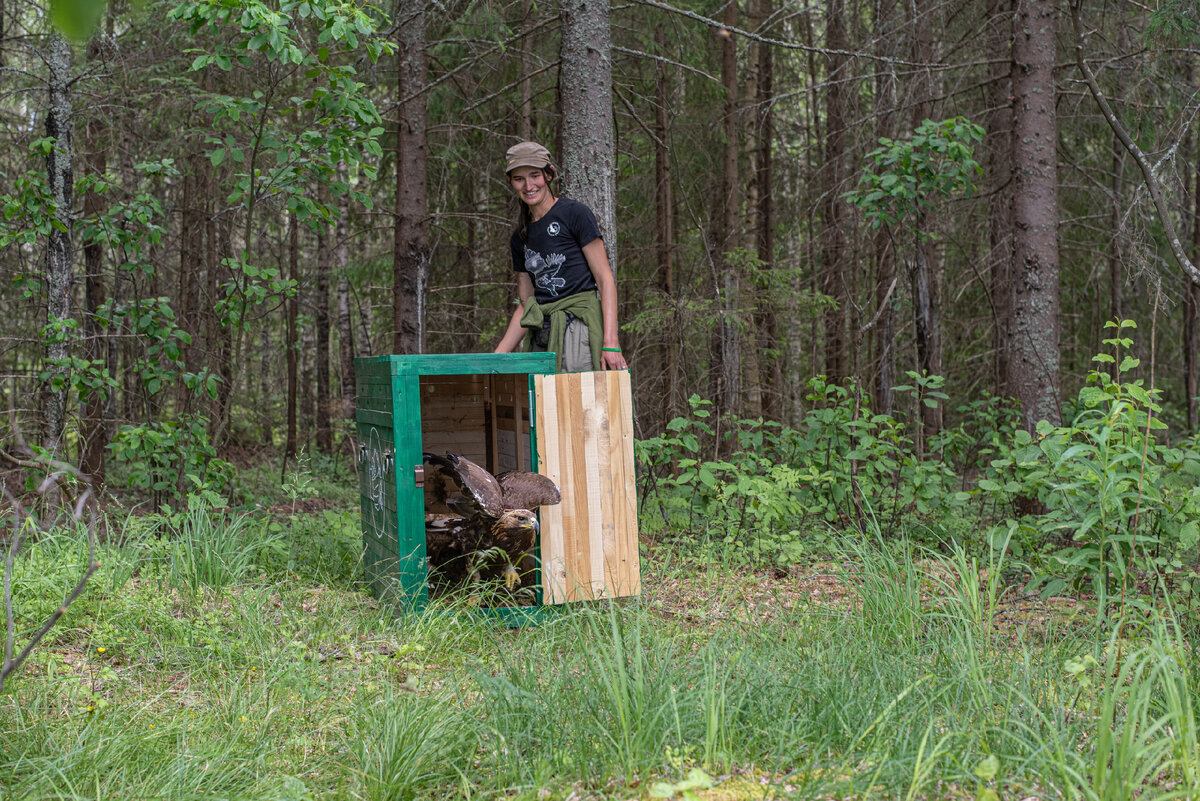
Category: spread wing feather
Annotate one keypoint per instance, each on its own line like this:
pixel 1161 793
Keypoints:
pixel 528 490
pixel 477 484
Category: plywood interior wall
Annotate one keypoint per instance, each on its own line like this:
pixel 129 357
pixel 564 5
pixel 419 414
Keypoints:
pixel 509 416
pixel 585 445
pixel 482 417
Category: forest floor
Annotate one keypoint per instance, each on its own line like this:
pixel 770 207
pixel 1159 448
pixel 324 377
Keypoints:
pixel 248 662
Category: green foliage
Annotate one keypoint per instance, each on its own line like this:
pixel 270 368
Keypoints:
pixel 309 40
pixel 77 19
pixel 1174 22
pixel 162 456
pixel 29 211
pixel 1094 504
pixel 775 489
pixel 1123 499
pixel 908 175
pixel 210 549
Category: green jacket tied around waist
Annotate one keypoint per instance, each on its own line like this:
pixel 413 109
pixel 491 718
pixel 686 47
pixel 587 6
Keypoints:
pixel 584 305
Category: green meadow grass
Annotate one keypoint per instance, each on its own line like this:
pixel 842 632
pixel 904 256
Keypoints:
pixel 239 658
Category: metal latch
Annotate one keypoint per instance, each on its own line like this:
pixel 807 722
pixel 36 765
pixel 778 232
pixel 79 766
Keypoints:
pixel 419 475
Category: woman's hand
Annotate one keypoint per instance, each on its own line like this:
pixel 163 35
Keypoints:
pixel 613 360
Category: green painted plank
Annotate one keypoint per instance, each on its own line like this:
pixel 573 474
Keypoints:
pixel 472 363
pixel 412 571
pixel 373 417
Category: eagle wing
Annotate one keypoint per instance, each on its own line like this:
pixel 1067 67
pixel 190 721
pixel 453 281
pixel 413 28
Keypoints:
pixel 482 491
pixel 527 490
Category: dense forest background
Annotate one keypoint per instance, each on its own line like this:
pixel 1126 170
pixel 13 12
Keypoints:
pixel 210 208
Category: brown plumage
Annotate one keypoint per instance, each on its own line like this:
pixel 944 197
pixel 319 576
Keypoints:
pixel 493 526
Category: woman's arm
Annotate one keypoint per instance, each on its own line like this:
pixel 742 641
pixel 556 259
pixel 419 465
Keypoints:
pixel 515 333
pixel 597 261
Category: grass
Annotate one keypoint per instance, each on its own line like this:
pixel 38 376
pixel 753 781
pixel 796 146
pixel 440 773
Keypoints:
pixel 222 657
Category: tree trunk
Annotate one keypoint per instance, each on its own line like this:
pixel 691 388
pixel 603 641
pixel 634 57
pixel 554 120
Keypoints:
pixel 834 224
pixel 192 265
pixel 999 144
pixel 1116 308
pixel 266 390
pixel 60 250
pixel 307 361
pixel 526 123
pixel 1033 337
pixel 588 140
pixel 1191 311
pixel 410 271
pixel 95 428
pixel 221 247
pixel 321 353
pixel 291 344
pixel 925 278
pixel 764 318
pixel 362 344
pixel 345 322
pixel 883 333
pixel 664 211
pixel 728 280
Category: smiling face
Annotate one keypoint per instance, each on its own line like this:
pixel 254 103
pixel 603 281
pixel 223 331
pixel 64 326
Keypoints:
pixel 530 184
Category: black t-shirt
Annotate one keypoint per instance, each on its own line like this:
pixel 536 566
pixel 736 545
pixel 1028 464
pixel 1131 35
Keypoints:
pixel 553 252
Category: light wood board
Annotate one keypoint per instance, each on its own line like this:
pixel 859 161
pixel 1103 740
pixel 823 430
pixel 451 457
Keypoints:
pixel 589 542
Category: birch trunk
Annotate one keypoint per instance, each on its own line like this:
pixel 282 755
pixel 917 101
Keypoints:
pixel 60 250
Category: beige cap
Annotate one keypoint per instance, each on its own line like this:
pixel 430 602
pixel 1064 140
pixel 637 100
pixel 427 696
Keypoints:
pixel 527 154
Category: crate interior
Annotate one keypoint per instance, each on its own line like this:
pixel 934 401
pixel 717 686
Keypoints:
pixel 484 417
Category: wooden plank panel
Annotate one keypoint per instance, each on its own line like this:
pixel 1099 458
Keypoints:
pixel 605 532
pixel 589 424
pixel 459 441
pixel 628 575
pixel 577 535
pixel 552 544
pixel 585 444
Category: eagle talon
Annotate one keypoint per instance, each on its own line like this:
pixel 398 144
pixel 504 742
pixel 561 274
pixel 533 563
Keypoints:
pixel 511 579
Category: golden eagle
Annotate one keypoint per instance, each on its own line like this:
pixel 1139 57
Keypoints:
pixel 493 525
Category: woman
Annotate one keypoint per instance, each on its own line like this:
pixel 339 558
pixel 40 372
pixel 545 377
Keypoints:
pixel 568 297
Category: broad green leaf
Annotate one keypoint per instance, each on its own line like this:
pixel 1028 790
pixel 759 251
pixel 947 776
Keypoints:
pixel 77 19
pixel 987 769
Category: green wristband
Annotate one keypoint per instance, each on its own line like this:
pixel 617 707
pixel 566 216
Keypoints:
pixel 612 350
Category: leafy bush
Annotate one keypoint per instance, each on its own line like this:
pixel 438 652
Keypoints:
pixel 1090 504
pixel 1115 496
pixel 769 489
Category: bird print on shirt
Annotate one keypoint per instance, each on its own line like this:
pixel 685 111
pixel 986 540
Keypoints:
pixel 545 271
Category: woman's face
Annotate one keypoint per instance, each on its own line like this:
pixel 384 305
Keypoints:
pixel 530 185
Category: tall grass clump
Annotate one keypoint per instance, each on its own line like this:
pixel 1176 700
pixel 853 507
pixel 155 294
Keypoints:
pixel 208 548
pixel 406 747
pixel 134 752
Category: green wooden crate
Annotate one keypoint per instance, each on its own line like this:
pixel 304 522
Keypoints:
pixel 486 407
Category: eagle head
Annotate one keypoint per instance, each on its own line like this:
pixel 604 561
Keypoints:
pixel 516 520
pixel 515 531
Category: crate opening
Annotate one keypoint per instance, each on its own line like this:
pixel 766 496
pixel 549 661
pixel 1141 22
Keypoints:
pixel 485 418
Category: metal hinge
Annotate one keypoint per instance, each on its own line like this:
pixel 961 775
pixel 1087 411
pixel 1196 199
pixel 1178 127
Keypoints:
pixel 419 475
